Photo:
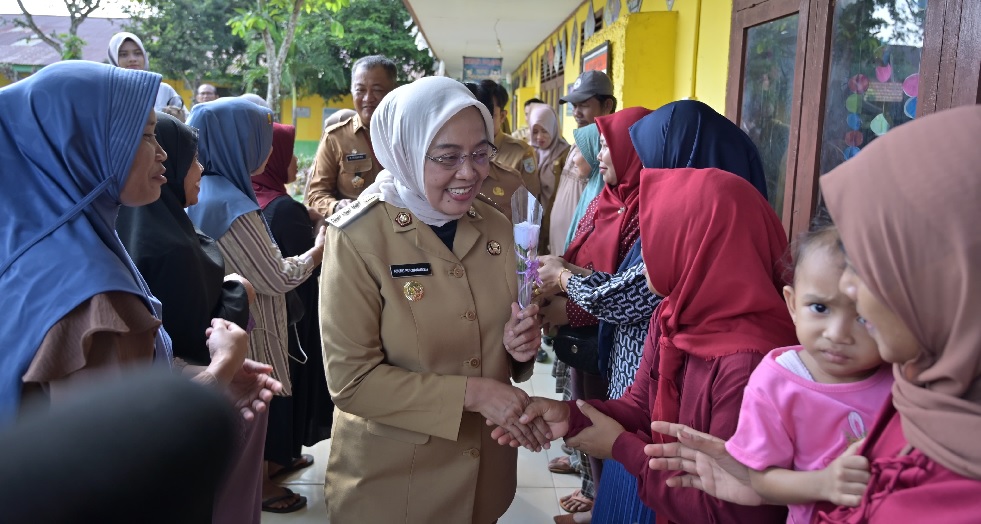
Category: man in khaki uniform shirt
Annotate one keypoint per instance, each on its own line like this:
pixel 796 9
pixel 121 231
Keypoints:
pixel 512 152
pixel 515 164
pixel 345 163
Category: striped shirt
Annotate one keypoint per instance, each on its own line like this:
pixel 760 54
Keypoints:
pixel 250 251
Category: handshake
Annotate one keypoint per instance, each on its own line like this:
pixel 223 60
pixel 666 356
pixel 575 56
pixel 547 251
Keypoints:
pixel 534 422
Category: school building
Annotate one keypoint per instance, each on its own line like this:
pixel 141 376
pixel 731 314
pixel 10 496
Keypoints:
pixel 811 81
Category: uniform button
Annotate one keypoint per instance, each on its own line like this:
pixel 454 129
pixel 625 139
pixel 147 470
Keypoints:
pixel 474 362
pixel 471 315
pixel 472 453
pixel 457 272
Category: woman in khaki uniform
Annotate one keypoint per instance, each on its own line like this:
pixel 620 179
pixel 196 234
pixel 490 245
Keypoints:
pixel 419 342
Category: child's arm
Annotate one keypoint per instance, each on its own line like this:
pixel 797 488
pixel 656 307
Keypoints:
pixel 841 483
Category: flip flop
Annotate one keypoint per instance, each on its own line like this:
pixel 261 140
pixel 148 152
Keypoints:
pixel 298 504
pixel 303 461
pixel 569 502
pixel 562 466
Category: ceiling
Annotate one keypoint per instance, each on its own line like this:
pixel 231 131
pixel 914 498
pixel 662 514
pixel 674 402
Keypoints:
pixel 457 28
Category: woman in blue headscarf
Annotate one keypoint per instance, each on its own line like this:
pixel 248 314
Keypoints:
pixel 681 134
pixel 234 143
pixel 66 321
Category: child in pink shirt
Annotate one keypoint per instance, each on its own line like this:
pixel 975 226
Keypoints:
pixel 807 406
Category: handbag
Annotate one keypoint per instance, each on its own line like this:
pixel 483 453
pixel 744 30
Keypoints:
pixel 294 307
pixel 578 347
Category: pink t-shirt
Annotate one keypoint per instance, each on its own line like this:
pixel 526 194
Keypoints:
pixel 790 422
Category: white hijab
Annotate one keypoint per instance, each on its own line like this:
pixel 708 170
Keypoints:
pixel 165 92
pixel 402 129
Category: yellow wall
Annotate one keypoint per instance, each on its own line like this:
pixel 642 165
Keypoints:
pixel 652 54
pixel 309 129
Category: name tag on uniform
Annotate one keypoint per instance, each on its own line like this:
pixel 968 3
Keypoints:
pixel 352 158
pixel 411 270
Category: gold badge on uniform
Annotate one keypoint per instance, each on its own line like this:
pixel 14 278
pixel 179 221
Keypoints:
pixel 494 247
pixel 403 219
pixel 498 190
pixel 357 182
pixel 413 290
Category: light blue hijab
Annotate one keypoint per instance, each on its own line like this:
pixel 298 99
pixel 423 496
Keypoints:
pixel 68 136
pixel 234 139
pixel 588 140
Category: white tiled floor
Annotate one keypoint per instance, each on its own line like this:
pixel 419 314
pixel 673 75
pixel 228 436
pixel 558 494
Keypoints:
pixel 536 501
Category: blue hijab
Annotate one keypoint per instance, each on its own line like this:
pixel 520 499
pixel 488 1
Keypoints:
pixel 689 133
pixel 234 139
pixel 588 141
pixel 68 137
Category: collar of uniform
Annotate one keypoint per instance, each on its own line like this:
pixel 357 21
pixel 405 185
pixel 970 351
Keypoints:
pixel 494 172
pixel 393 217
pixel 358 124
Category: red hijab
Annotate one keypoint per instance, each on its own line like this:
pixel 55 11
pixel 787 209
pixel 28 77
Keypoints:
pixel 271 184
pixel 597 243
pixel 713 246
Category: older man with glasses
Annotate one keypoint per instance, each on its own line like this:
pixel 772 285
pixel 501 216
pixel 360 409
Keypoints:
pixel 206 93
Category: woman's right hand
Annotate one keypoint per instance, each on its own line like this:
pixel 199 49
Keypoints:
pixel 228 345
pixel 552 413
pixel 708 465
pixel 549 269
pixel 502 405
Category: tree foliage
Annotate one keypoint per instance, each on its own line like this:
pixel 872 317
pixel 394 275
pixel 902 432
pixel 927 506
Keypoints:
pixel 68 45
pixel 190 39
pixel 323 58
pixel 274 23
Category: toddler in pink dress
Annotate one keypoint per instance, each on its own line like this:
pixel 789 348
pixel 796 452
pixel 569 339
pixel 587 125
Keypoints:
pixel 807 406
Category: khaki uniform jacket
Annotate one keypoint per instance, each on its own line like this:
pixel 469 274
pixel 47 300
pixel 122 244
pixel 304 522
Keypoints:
pixel 344 166
pixel 519 156
pixel 403 450
pixel 500 185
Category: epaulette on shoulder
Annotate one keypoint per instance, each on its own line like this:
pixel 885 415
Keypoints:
pixel 340 124
pixel 352 211
pixel 490 202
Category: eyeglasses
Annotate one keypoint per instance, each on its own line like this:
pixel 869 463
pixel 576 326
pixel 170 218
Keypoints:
pixel 176 101
pixel 480 157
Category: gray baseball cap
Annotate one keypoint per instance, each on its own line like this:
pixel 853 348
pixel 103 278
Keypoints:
pixel 588 85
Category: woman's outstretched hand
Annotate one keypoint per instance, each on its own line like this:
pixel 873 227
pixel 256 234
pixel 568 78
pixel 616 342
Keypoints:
pixel 551 414
pixel 704 458
pixel 502 405
pixel 252 388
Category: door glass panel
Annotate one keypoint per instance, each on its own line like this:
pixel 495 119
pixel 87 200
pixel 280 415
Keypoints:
pixel 873 80
pixel 768 87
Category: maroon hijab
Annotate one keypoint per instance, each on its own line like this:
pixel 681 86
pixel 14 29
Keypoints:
pixel 713 246
pixel 614 218
pixel 271 184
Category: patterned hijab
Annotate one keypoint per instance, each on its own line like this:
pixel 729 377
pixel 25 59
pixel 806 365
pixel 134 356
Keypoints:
pixel 234 138
pixel 915 241
pixel 63 172
pixel 271 184
pixel 403 127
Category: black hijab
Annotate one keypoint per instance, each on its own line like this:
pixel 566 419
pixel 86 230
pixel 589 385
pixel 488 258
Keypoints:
pixel 182 266
pixel 695 135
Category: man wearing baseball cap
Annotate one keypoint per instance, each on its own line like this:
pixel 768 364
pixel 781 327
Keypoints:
pixel 591 96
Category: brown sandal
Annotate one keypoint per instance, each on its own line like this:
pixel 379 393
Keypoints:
pixel 576 502
pixel 562 466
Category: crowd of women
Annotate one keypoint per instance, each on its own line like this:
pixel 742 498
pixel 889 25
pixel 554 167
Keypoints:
pixel 854 397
